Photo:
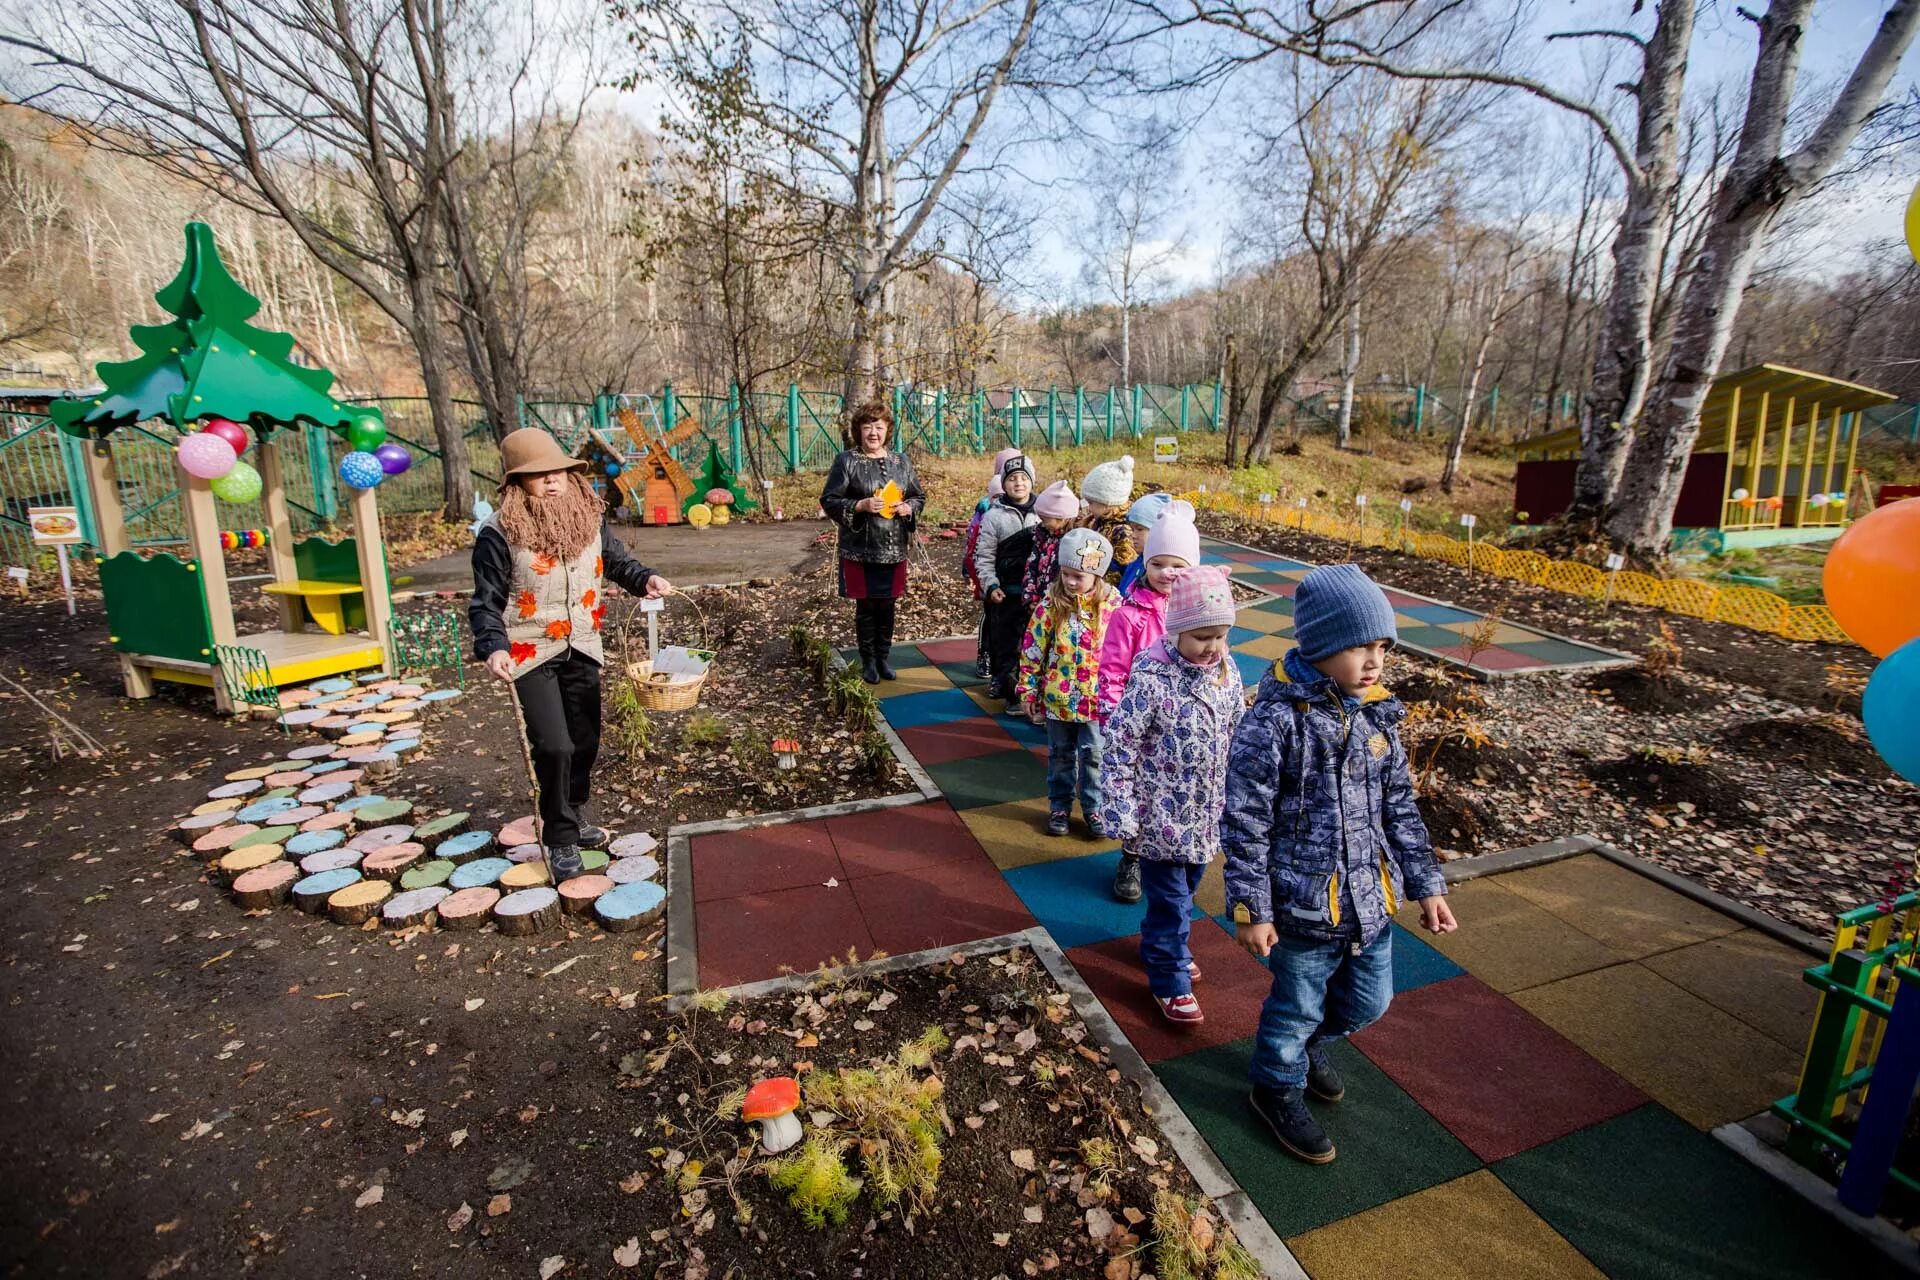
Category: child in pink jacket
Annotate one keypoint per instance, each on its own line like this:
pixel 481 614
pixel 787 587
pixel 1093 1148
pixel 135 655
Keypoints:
pixel 1173 546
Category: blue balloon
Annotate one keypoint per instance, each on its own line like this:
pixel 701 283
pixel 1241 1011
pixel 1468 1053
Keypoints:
pixel 1891 708
pixel 361 470
pixel 613 469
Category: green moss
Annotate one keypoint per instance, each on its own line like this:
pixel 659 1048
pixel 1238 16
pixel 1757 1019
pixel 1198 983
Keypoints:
pixel 816 1180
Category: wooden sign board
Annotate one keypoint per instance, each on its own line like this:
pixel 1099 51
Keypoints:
pixel 54 526
pixel 1166 448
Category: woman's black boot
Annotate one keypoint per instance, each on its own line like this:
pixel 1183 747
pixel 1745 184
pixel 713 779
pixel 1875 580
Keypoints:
pixel 864 627
pixel 883 641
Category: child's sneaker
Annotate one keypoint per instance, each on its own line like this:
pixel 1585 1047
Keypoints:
pixel 1181 1010
pixel 980 666
pixel 1323 1082
pixel 1126 881
pixel 564 863
pixel 1285 1111
pixel 1193 971
pixel 1057 822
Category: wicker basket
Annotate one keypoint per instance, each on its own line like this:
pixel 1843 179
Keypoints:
pixel 677 696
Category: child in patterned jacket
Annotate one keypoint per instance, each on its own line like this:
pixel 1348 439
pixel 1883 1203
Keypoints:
pixel 1059 675
pixel 1164 770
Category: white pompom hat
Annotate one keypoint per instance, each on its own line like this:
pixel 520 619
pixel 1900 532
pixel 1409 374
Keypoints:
pixel 1110 483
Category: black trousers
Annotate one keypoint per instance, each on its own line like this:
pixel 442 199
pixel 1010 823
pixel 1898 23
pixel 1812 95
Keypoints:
pixel 1006 624
pixel 560 704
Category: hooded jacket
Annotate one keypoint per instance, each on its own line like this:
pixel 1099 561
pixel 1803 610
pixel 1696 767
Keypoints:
pixel 1163 755
pixel 1000 553
pixel 1140 620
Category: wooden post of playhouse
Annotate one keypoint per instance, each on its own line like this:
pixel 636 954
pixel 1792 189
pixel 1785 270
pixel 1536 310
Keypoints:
pixel 203 543
pixel 1857 423
pixel 1733 438
pixel 1826 472
pixel 273 500
pixel 373 571
pixel 1755 452
pixel 1806 466
pixel 110 527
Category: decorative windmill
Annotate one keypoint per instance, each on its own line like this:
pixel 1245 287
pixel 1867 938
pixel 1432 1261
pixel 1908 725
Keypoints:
pixel 657 484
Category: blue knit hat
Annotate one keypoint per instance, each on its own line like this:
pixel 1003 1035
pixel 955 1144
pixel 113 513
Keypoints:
pixel 1337 606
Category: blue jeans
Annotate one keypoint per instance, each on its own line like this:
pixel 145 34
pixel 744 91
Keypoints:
pixel 1321 991
pixel 1169 888
pixel 1073 757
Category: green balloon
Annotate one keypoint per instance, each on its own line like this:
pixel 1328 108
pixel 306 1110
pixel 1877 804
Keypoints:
pixel 366 432
pixel 242 484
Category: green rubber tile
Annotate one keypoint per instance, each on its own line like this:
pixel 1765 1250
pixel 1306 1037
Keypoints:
pixel 1634 915
pixel 1388 1147
pixel 1750 976
pixel 978 781
pixel 1508 942
pixel 1496 1237
pixel 1560 652
pixel 1646 1198
pixel 1706 1066
pixel 961 675
pixel 1424 635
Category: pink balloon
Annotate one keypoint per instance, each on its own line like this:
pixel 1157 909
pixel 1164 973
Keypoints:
pixel 206 455
pixel 230 431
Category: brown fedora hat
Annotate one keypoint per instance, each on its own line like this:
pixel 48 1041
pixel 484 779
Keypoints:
pixel 530 451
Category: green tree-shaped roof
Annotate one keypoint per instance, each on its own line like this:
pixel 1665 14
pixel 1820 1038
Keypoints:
pixel 208 362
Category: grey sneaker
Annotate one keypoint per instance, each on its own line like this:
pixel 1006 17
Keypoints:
pixel 1126 880
pixel 563 863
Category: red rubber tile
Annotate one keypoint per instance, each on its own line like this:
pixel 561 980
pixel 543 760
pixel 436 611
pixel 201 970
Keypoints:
pixel 1400 600
pixel 760 936
pixel 1490 659
pixel 733 864
pixel 939 906
pixel 1231 989
pixel 956 740
pixel 881 841
pixel 939 651
pixel 1497 1077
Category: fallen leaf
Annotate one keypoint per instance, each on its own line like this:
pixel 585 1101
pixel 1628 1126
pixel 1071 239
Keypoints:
pixel 1000 1238
pixel 200 1129
pixel 1022 1158
pixel 168 1227
pixel 1033 1213
pixel 510 1173
pixel 457 1137
pixel 371 1196
pixel 551 1267
pixel 500 1204
pixel 628 1254
pixel 563 966
pixel 974 1122
pixel 1027 1039
pixel 633 1182
pixel 460 1217
pixel 475 1003
pixel 1099 1223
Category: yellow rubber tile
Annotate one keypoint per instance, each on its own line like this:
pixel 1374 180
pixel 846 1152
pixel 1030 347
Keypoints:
pixel 1509 943
pixel 1705 1066
pixel 1624 909
pixel 1271 648
pixel 1211 896
pixel 1014 834
pixel 1261 621
pixel 913 680
pixel 1750 976
pixel 1494 1236
pixel 992 706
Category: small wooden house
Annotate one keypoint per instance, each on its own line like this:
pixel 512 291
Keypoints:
pixel 1773 464
pixel 654 479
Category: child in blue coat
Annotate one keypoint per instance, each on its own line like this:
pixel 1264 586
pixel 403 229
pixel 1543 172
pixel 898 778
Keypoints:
pixel 1323 842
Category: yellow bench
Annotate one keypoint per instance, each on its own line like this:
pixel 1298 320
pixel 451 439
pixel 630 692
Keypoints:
pixel 326 602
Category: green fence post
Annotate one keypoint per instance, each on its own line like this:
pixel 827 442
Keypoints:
pixel 1419 408
pixel 520 409
pixel 977 408
pixel 1136 412
pixel 735 444
pixel 1184 388
pixel 940 423
pixel 899 430
pixel 599 413
pixel 1013 420
pixel 793 428
pixel 1079 413
pixel 667 413
pixel 1493 411
pixel 1053 429
pixel 1109 411
pixel 1216 406
pixel 326 502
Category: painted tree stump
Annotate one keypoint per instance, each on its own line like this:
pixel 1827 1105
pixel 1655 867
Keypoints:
pixel 366 724
pixel 633 870
pixel 310 893
pixel 220 839
pixel 277 793
pixel 391 718
pixel 315 752
pixel 298 816
pixel 322 769
pixel 578 894
pixel 388 862
pixel 527 911
pixel 524 853
pixel 266 835
pixel 594 859
pixel 332 684
pixel 380 837
pixel 415 906
pixel 426 875
pixel 326 793
pixel 266 886
pixel 627 907
pixel 464 847
pixel 404 704
pixel 481 871
pixel 331 725
pixel 360 802
pixel 291 778
pixel 232 804
pixel 440 695
pixel 192 827
pixel 307 842
pixel 310 717
pixel 360 741
pixel 343 754
pixel 330 860
pixel 520 831
pixel 347 773
pixel 358 903
pixel 261 810
pixel 229 789
pixel 633 846
pixel 375 678
pixel 231 864
pixel 525 875
pixel 401 746
pixel 434 830
pixel 250 775
pixel 376 766
pixel 381 813
pixel 300 694
pixel 467 908
pixel 327 822
pixel 406 689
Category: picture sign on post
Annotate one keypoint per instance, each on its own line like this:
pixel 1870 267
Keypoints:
pixel 1166 448
pixel 59 528
pixel 1468 520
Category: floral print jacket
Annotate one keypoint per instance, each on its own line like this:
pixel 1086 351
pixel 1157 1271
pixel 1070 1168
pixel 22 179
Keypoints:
pixel 1163 755
pixel 1060 664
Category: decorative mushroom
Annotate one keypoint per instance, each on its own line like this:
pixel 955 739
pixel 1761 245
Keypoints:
pixel 772 1103
pixel 719 497
pixel 786 753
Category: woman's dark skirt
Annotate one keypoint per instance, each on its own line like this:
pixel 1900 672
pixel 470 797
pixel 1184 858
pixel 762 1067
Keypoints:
pixel 872 581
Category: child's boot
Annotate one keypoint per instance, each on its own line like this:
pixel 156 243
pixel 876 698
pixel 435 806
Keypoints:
pixel 1126 881
pixel 564 863
pixel 1323 1082
pixel 1181 1010
pixel 1057 822
pixel 1285 1111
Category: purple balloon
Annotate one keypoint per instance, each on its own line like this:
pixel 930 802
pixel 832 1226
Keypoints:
pixel 394 458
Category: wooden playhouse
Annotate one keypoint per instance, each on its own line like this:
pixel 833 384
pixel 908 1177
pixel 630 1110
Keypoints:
pixel 170 618
pixel 1776 446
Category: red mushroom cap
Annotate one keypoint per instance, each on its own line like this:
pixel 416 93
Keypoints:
pixel 770 1098
pixel 719 497
pixel 785 744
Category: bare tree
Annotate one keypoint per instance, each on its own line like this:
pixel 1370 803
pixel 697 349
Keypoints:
pixel 1135 190
pixel 1502 294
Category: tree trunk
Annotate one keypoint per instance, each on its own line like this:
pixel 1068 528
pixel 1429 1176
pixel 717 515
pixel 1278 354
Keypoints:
pixel 456 482
pixel 1349 366
pixel 1458 446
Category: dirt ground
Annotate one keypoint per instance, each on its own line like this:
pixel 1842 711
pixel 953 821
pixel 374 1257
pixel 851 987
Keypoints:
pixel 685 555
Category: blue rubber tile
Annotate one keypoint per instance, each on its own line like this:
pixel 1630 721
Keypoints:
pixel 1416 963
pixel 1073 898
pixel 1024 731
pixel 1439 613
pixel 1252 670
pixel 939 706
pixel 1240 635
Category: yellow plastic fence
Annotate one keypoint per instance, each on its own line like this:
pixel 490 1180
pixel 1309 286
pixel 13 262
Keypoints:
pixel 1742 606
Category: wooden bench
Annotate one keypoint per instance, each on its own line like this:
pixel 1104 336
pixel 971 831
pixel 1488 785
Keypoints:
pixel 326 602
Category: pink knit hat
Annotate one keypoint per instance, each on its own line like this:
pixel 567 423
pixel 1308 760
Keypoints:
pixel 1000 458
pixel 1174 534
pixel 994 487
pixel 1056 502
pixel 1200 597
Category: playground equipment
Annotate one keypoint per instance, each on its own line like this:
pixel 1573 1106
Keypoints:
pixel 204 373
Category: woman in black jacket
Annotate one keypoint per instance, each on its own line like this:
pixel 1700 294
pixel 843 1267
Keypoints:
pixel 873 540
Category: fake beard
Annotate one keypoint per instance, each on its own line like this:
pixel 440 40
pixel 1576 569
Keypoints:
pixel 560 526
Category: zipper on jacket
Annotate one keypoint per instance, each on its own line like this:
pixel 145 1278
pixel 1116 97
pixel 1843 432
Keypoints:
pixel 1386 885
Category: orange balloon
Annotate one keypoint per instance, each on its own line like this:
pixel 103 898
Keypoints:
pixel 1872 577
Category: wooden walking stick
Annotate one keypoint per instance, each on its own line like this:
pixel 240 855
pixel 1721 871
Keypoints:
pixel 526 758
